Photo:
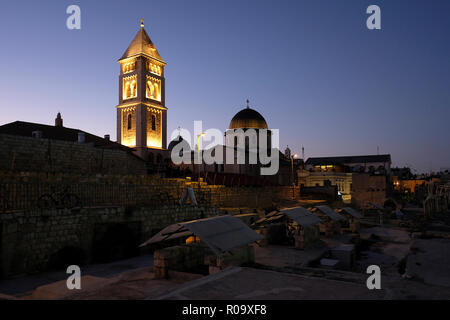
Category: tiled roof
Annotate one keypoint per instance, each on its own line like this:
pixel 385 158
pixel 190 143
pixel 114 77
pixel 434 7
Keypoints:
pixel 25 129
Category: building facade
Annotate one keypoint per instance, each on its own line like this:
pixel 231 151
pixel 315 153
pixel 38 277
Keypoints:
pixel 358 179
pixel 243 136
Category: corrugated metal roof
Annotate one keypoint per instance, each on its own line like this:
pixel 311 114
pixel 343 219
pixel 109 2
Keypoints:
pixel 352 212
pixel 302 216
pixel 330 213
pixel 221 234
pixel 270 217
pixel 299 214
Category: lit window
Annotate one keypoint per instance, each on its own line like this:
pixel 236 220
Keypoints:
pixel 129 87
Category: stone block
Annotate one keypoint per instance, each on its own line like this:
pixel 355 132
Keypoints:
pixel 345 253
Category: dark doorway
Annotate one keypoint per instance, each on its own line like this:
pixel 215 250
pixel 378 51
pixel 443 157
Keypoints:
pixel 115 241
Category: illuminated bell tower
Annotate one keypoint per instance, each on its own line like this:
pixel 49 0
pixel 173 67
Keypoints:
pixel 141 112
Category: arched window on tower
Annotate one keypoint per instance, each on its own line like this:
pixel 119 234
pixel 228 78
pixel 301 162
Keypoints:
pixel 150 90
pixel 129 122
pixel 157 95
pixel 133 88
pixel 127 92
pixel 153 122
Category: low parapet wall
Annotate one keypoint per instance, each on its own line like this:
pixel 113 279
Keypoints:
pixel 36 240
pixel 24 191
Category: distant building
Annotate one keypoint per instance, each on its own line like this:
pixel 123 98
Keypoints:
pixel 368 189
pixel 405 182
pixel 375 164
pixel 341 172
pixel 340 178
pixel 401 173
pixel 246 173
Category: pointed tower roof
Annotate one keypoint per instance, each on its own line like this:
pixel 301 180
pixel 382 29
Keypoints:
pixel 142 44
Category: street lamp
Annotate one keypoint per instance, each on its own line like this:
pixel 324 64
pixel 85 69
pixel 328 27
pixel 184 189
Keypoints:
pixel 292 174
pixel 292 166
pixel 198 150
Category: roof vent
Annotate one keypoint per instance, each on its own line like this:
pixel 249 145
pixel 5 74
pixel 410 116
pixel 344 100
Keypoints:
pixel 58 120
pixel 37 134
pixel 107 137
pixel 81 137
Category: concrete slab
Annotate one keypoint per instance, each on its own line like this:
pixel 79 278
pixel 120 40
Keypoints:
pixel 284 256
pixel 390 249
pixel 329 263
pixel 131 285
pixel 429 261
pixel 248 283
pixel 339 239
pixel 386 234
pixel 345 254
pixel 27 283
pixel 6 297
pixel 59 290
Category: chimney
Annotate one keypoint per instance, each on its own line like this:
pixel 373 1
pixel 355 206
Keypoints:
pixel 107 137
pixel 58 120
pixel 81 137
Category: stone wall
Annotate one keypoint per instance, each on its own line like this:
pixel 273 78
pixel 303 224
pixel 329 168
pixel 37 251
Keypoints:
pixel 249 197
pixel 237 257
pixel 34 240
pixel 22 191
pixel 368 189
pixel 20 154
pixel 185 258
pixel 329 193
pixel 306 237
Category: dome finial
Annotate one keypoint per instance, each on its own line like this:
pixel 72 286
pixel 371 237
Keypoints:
pixel 247 104
pixel 142 23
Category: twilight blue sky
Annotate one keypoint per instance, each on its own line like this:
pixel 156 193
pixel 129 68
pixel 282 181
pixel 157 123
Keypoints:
pixel 311 68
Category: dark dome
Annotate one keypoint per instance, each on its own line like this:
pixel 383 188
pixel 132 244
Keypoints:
pixel 248 118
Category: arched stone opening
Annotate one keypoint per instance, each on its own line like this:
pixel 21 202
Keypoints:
pixel 115 241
